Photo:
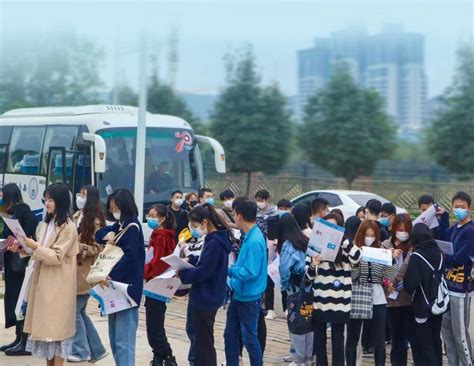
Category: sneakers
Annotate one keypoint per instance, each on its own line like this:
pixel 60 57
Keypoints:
pixel 74 359
pixel 101 357
pixel 288 358
pixel 368 352
pixel 270 315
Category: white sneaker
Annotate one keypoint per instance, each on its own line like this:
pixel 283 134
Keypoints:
pixel 270 315
pixel 74 359
pixel 288 358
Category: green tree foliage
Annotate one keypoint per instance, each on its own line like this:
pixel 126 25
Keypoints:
pixel 252 122
pixel 345 129
pixel 450 135
pixel 49 70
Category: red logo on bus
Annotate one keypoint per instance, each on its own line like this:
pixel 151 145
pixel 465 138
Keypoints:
pixel 185 142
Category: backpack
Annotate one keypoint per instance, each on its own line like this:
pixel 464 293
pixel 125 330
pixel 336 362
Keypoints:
pixel 440 304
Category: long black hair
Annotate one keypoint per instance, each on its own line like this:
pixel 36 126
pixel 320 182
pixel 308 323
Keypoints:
pixel 11 197
pixel 59 193
pixel 163 211
pixel 208 212
pixel 302 214
pixel 125 202
pixel 91 212
pixel 289 230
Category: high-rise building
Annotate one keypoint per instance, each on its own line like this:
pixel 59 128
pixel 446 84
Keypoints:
pixel 391 63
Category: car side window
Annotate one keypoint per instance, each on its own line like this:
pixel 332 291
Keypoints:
pixel 332 198
pixel 308 199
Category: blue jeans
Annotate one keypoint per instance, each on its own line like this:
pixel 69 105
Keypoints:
pixel 123 335
pixel 242 318
pixel 86 342
pixel 191 335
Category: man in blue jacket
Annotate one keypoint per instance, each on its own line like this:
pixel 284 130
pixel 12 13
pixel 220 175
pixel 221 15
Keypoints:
pixel 459 277
pixel 248 280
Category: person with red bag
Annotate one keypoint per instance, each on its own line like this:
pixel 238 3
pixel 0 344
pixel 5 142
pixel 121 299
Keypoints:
pixel 162 243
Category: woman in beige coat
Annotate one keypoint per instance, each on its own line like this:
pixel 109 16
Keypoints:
pixel 51 306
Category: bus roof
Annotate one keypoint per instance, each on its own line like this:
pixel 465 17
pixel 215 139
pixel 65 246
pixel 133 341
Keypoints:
pixel 96 117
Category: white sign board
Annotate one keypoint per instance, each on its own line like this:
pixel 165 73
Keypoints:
pixel 428 218
pixel 274 272
pixel 325 240
pixel 377 255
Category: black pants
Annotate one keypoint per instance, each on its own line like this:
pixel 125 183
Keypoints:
pixel 402 323
pixel 155 328
pixel 284 300
pixel 261 332
pixel 204 326
pixel 269 298
pixel 427 349
pixel 367 336
pixel 353 335
pixel 337 338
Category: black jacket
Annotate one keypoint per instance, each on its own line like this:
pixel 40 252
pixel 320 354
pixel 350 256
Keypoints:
pixel 420 274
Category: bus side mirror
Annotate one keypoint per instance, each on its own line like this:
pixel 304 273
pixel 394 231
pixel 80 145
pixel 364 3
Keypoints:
pixel 219 155
pixel 99 150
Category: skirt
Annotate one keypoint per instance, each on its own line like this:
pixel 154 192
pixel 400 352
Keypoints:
pixel 48 350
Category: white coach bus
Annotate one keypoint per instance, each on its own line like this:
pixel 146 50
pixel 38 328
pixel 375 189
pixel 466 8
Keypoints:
pixel 96 145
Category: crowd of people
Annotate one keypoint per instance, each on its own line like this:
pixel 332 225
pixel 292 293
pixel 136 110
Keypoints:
pixel 230 248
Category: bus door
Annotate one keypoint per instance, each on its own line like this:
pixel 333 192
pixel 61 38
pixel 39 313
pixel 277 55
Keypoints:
pixel 5 132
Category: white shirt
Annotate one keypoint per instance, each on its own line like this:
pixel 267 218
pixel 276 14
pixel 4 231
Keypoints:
pixel 378 295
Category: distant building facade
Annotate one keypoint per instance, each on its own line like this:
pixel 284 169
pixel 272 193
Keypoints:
pixel 391 62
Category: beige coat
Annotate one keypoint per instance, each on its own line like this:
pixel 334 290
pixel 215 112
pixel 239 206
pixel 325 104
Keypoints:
pixel 85 258
pixel 51 309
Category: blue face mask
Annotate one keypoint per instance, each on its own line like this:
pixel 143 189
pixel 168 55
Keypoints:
pixel 282 212
pixel 384 221
pixel 460 213
pixel 196 233
pixel 152 223
pixel 210 201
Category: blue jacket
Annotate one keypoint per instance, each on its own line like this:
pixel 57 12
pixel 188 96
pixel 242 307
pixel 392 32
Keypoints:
pixel 459 266
pixel 292 262
pixel 248 276
pixel 209 277
pixel 130 269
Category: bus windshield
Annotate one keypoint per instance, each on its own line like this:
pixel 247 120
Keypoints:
pixel 172 161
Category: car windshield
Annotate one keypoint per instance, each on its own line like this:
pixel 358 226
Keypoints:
pixel 362 198
pixel 172 161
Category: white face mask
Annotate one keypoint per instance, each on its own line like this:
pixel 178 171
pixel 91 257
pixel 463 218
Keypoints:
pixel 402 235
pixel 81 202
pixel 261 205
pixel 178 202
pixel 369 240
pixel 117 215
pixel 228 204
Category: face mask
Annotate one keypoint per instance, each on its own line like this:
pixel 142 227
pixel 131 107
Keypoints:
pixel 210 201
pixel 460 213
pixel 193 203
pixel 81 202
pixel 178 202
pixel 384 221
pixel 197 233
pixel 369 240
pixel 117 215
pixel 1 203
pixel 152 222
pixel 228 204
pixel 261 205
pixel 402 235
pixel 282 212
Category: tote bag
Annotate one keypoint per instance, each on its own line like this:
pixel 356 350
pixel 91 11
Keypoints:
pixel 361 300
pixel 300 311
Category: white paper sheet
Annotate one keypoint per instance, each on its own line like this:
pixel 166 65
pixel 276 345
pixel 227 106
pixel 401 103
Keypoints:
pixel 113 299
pixel 394 295
pixel 273 271
pixel 428 218
pixel 325 240
pixel 162 287
pixel 149 255
pixel 377 255
pixel 445 246
pixel 176 262
pixel 17 230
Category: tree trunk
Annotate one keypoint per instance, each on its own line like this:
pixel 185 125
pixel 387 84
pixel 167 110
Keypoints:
pixel 249 181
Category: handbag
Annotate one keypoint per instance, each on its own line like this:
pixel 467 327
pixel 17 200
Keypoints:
pixel 107 259
pixel 300 311
pixel 361 300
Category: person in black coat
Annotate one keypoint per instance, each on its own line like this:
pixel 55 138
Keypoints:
pixel 15 266
pixel 427 348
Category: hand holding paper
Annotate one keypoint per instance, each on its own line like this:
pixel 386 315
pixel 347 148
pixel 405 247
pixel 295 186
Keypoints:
pixel 428 218
pixel 17 230
pixel 177 263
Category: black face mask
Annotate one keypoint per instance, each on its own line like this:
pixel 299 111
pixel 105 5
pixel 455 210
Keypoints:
pixel 193 203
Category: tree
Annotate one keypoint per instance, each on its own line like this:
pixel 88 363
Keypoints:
pixel 345 129
pixel 252 122
pixel 450 135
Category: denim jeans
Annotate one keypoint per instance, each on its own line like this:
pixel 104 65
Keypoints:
pixel 86 342
pixel 242 318
pixel 191 334
pixel 123 335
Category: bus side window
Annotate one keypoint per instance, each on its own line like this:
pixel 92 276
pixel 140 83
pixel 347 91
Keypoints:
pixel 5 132
pixel 25 150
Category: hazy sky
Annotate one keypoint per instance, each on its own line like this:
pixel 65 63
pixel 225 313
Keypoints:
pixel 276 29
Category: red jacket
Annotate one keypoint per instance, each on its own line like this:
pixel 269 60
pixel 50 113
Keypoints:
pixel 163 243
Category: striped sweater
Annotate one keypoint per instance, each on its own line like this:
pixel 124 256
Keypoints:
pixel 367 272
pixel 332 286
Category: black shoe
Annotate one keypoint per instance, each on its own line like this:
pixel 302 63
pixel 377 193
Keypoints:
pixel 170 361
pixel 13 344
pixel 156 362
pixel 18 350
pixel 368 351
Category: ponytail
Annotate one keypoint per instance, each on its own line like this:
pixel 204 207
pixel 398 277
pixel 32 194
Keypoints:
pixel 163 211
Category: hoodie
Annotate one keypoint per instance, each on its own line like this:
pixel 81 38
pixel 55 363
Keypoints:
pixel 263 216
pixel 163 243
pixel 208 278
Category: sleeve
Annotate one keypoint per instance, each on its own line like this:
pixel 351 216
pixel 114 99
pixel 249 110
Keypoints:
pixel 246 267
pixel 352 252
pixel 445 232
pixel 129 243
pixel 412 278
pixel 310 273
pixel 159 252
pixel 193 259
pixel 391 271
pixel 206 268
pixel 443 222
pixel 463 251
pixel 53 256
pixel 100 234
pixel 401 272
pixel 286 263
